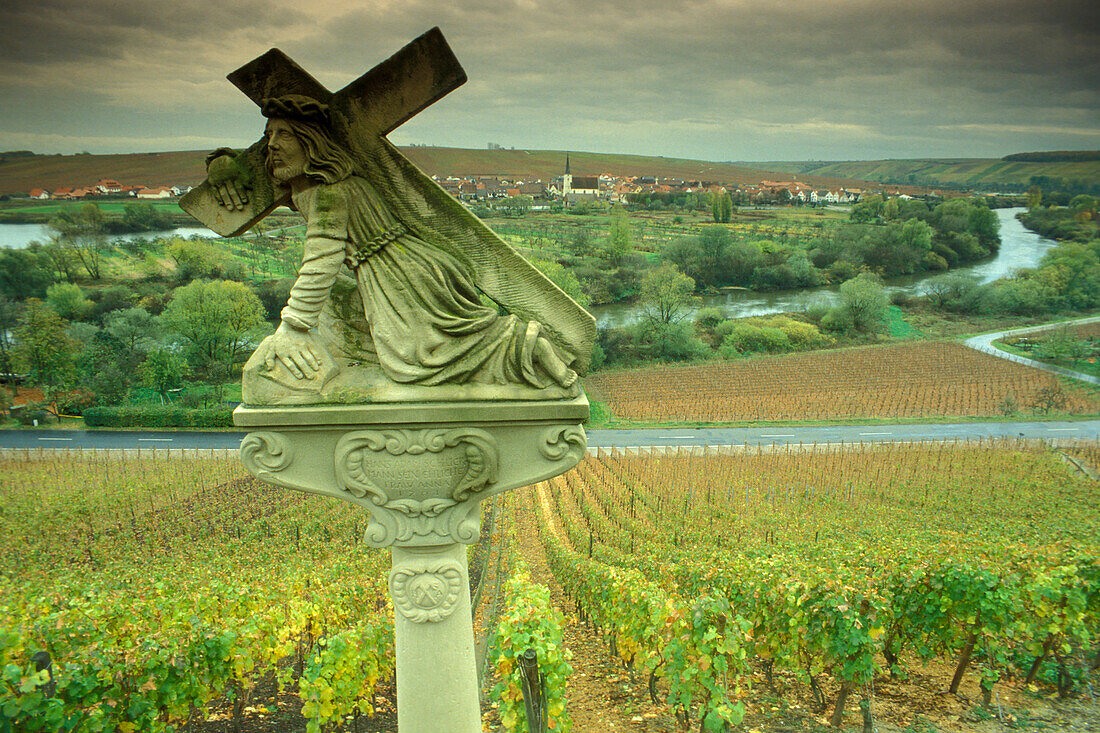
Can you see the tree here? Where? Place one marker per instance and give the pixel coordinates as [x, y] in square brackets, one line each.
[618, 242]
[104, 369]
[686, 254]
[863, 302]
[42, 347]
[579, 243]
[68, 300]
[515, 205]
[1084, 207]
[216, 318]
[867, 210]
[24, 273]
[82, 234]
[143, 217]
[9, 318]
[666, 294]
[564, 279]
[196, 258]
[1034, 198]
[136, 331]
[1063, 345]
[890, 209]
[162, 372]
[714, 244]
[952, 291]
[1072, 270]
[721, 207]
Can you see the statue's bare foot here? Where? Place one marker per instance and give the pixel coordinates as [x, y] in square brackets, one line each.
[553, 364]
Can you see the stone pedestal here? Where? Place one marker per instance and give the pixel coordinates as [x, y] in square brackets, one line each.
[434, 640]
[421, 469]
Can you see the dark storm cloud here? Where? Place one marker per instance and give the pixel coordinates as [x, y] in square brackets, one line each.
[720, 80]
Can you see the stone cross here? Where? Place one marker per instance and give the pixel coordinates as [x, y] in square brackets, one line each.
[379, 101]
[362, 113]
[421, 465]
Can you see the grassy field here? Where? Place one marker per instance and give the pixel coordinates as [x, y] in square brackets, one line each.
[963, 172]
[779, 588]
[1030, 346]
[914, 380]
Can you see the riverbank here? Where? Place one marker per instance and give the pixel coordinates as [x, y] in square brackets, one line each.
[1020, 249]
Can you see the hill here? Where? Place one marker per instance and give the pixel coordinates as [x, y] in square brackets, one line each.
[1010, 172]
[20, 172]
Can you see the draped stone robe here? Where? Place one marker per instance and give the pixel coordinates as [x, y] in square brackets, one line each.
[427, 322]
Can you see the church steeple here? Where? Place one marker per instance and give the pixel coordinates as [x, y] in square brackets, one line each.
[567, 162]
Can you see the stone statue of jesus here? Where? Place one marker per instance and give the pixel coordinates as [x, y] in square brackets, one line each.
[427, 323]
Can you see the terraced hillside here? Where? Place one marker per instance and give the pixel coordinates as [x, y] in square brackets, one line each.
[19, 174]
[963, 172]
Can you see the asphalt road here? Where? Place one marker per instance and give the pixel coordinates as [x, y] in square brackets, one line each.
[772, 435]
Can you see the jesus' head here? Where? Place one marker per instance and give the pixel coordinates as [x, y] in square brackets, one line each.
[300, 144]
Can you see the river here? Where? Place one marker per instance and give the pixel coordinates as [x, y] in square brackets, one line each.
[1020, 248]
[18, 236]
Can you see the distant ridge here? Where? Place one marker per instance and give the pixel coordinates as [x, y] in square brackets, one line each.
[21, 171]
[1012, 171]
[1055, 156]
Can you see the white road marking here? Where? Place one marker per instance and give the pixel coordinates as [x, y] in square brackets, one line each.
[777, 435]
[1055, 430]
[156, 440]
[676, 436]
[875, 433]
[55, 438]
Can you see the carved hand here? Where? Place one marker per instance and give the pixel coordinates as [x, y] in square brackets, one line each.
[291, 347]
[230, 182]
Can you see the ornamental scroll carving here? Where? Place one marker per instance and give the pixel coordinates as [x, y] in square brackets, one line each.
[265, 453]
[435, 471]
[559, 443]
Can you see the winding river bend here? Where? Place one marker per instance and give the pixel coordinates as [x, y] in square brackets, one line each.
[1020, 248]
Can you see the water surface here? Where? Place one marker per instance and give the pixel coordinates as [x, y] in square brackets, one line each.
[1021, 248]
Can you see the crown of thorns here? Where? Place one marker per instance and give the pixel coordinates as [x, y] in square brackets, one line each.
[296, 107]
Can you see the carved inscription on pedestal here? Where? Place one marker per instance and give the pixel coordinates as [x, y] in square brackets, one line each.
[435, 471]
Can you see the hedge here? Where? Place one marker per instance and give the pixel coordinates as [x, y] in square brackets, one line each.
[158, 416]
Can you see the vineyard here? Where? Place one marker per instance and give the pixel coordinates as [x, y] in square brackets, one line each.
[831, 576]
[910, 380]
[549, 235]
[143, 593]
[157, 593]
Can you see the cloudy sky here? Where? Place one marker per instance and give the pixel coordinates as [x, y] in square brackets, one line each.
[709, 79]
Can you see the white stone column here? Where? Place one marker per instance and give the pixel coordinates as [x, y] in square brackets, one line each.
[436, 671]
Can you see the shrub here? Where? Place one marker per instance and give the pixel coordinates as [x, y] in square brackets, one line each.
[158, 416]
[708, 319]
[1015, 296]
[838, 320]
[748, 339]
[32, 415]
